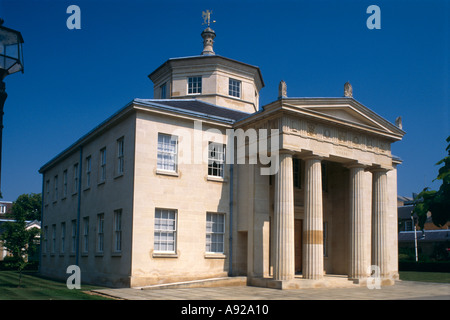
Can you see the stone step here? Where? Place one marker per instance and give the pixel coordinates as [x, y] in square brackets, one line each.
[212, 282]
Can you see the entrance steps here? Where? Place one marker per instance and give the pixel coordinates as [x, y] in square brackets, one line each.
[204, 283]
[328, 281]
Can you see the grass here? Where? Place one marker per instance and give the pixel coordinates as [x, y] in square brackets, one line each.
[34, 287]
[439, 277]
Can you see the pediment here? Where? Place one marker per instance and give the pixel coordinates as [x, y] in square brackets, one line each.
[343, 111]
[347, 114]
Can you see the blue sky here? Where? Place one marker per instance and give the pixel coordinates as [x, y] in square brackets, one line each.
[74, 79]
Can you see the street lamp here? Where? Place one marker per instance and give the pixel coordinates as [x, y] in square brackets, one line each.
[11, 61]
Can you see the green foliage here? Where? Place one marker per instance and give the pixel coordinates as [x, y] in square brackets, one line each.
[17, 240]
[436, 202]
[30, 205]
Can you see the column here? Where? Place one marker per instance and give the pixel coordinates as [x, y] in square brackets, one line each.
[313, 226]
[360, 221]
[283, 266]
[379, 215]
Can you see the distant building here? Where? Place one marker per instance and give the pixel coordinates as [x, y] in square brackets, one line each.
[153, 194]
[5, 208]
[29, 225]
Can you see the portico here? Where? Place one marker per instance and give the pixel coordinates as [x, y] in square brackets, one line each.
[340, 220]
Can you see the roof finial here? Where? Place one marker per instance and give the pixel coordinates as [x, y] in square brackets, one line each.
[282, 90]
[348, 90]
[208, 34]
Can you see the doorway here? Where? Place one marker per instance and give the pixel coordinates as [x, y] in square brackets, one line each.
[298, 232]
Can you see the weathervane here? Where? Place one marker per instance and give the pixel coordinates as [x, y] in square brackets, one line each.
[207, 17]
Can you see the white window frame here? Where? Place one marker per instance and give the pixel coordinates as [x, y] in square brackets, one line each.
[75, 177]
[63, 238]
[117, 231]
[88, 171]
[55, 183]
[53, 245]
[167, 153]
[65, 183]
[165, 230]
[73, 240]
[216, 159]
[120, 155]
[234, 87]
[85, 243]
[194, 85]
[215, 232]
[102, 175]
[100, 232]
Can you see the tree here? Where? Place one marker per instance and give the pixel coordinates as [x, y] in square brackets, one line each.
[31, 204]
[436, 202]
[17, 240]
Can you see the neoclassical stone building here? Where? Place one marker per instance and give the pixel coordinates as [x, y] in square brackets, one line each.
[152, 195]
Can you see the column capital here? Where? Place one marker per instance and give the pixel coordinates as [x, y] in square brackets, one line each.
[356, 164]
[380, 169]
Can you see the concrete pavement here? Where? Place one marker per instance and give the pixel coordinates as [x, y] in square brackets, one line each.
[402, 290]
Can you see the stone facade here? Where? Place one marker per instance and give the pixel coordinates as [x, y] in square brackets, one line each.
[114, 209]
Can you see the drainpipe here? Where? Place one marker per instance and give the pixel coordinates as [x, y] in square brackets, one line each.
[77, 247]
[230, 237]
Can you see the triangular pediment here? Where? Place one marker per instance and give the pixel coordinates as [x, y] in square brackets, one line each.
[347, 114]
[342, 111]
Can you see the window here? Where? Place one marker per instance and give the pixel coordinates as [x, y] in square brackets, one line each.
[85, 234]
[53, 238]
[216, 159]
[75, 178]
[120, 160]
[47, 189]
[102, 165]
[100, 232]
[88, 171]
[165, 230]
[408, 225]
[167, 152]
[194, 85]
[234, 88]
[296, 165]
[215, 232]
[73, 240]
[65, 183]
[163, 91]
[2, 209]
[117, 230]
[55, 182]
[45, 239]
[62, 246]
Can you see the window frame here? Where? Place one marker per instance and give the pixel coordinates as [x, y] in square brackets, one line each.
[234, 87]
[162, 147]
[194, 85]
[117, 231]
[158, 240]
[211, 234]
[216, 160]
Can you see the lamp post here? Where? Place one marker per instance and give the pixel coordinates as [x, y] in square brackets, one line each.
[11, 61]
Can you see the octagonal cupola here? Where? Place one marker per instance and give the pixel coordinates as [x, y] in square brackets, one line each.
[209, 77]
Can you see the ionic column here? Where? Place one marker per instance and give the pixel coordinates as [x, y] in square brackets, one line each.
[283, 267]
[379, 214]
[360, 220]
[313, 229]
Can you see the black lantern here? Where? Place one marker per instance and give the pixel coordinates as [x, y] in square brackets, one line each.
[11, 61]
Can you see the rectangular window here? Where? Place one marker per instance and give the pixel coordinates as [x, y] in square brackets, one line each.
[325, 239]
[234, 88]
[296, 165]
[194, 85]
[100, 232]
[216, 159]
[120, 160]
[47, 190]
[88, 171]
[2, 209]
[62, 246]
[73, 239]
[165, 230]
[85, 234]
[75, 178]
[167, 152]
[45, 239]
[65, 183]
[102, 170]
[163, 91]
[53, 238]
[117, 230]
[215, 232]
[55, 183]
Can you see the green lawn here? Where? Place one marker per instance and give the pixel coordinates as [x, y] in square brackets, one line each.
[36, 288]
[440, 277]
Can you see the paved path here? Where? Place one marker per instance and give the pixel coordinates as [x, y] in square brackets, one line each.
[402, 290]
